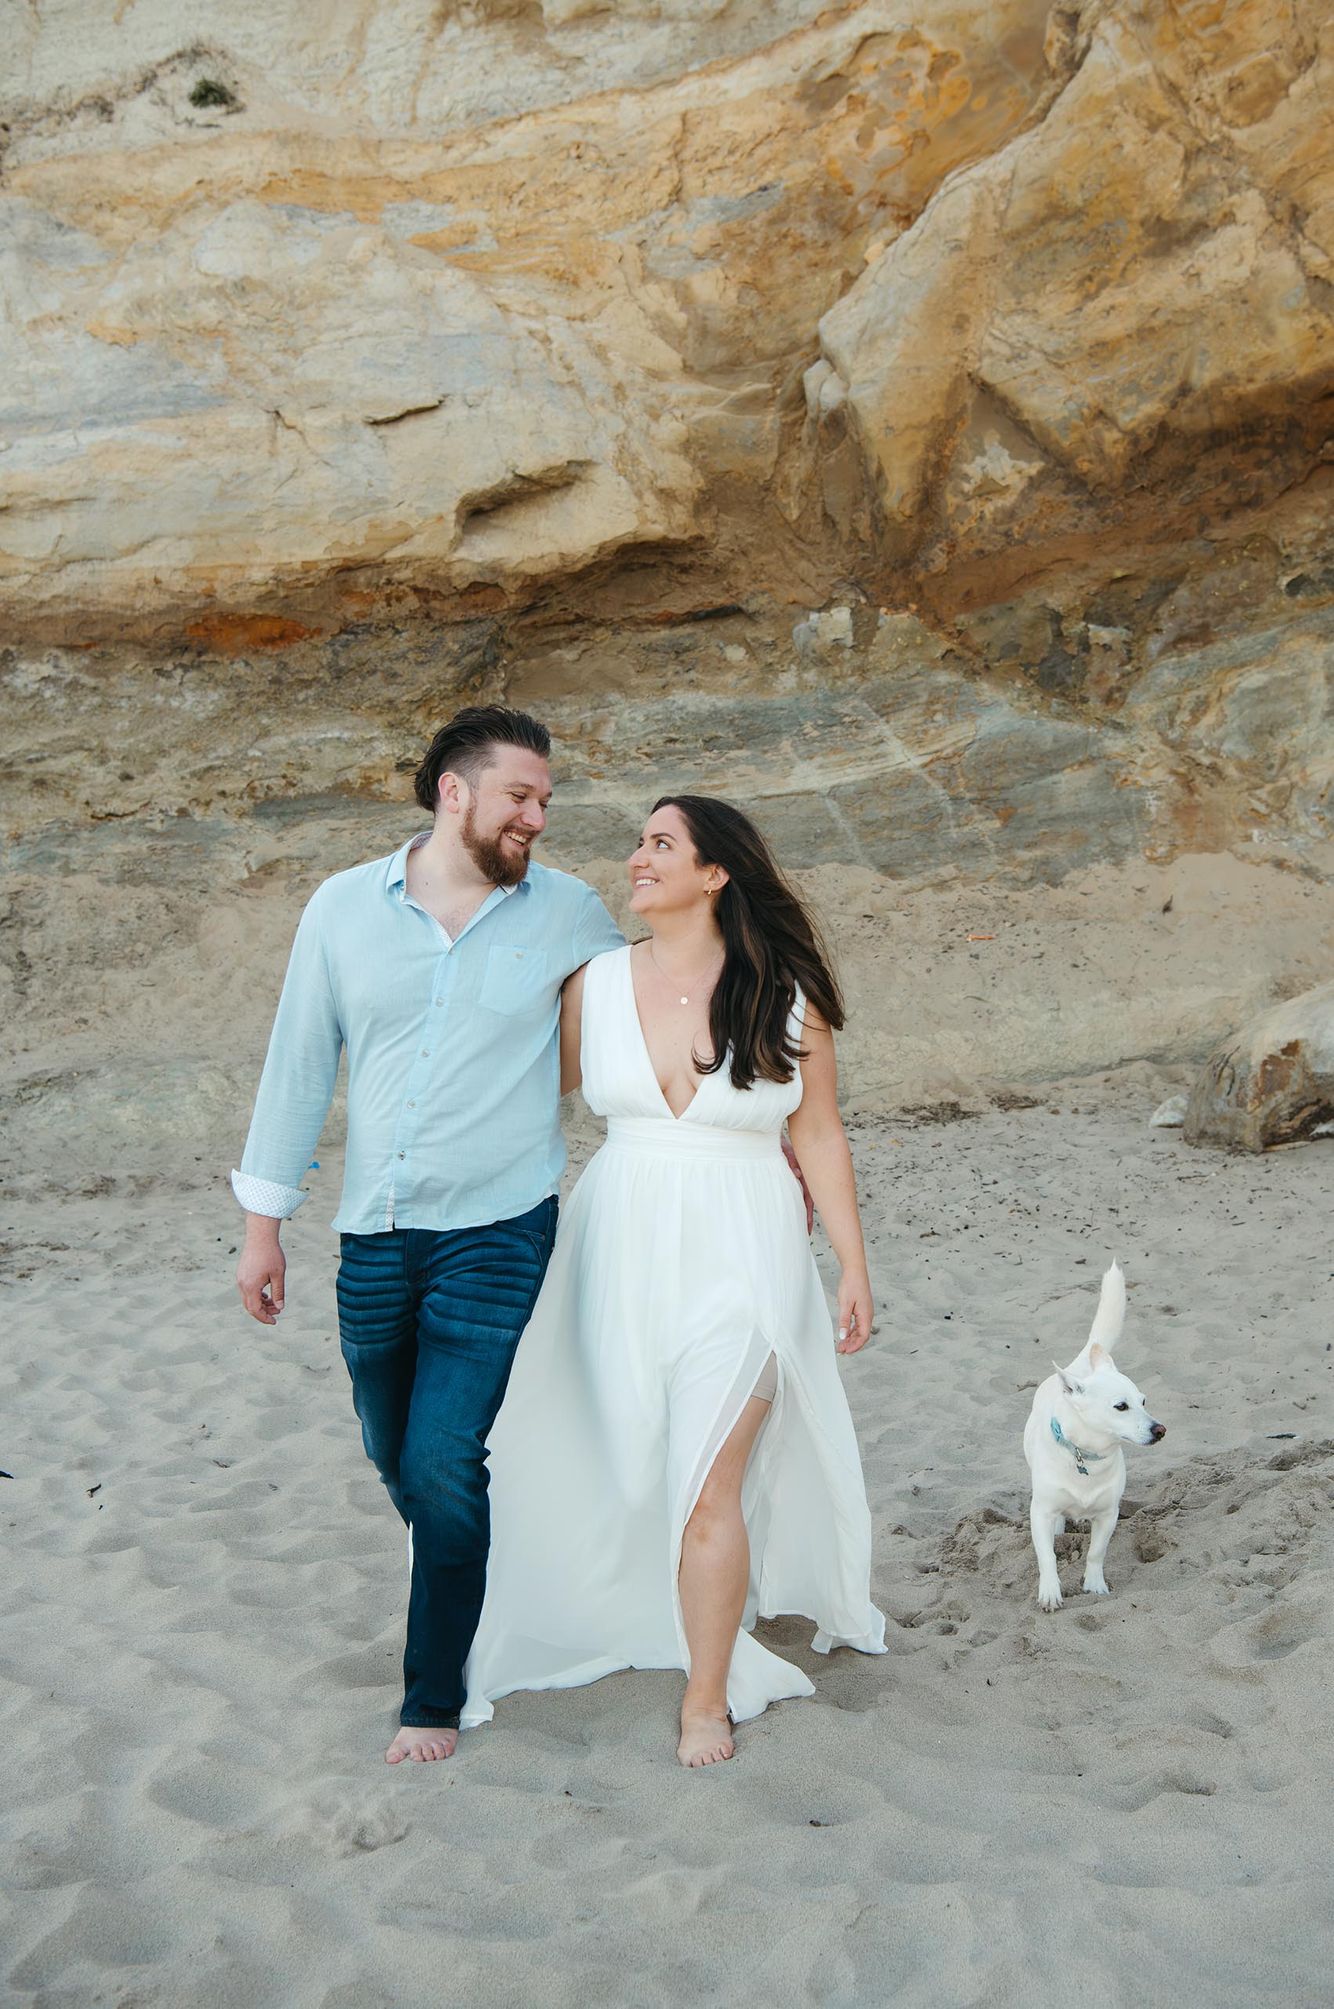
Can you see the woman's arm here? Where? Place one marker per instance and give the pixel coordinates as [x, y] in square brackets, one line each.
[821, 1145]
[571, 1026]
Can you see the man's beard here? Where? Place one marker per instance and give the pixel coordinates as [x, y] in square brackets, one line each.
[502, 868]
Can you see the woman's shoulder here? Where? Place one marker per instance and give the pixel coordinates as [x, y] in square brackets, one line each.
[809, 1013]
[599, 969]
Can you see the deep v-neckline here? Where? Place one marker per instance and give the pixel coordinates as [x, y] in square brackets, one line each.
[672, 1116]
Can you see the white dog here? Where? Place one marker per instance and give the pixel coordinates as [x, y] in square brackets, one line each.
[1081, 1417]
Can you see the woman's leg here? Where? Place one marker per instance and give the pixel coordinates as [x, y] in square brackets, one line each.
[715, 1573]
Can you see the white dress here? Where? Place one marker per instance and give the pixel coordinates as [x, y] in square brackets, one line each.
[681, 1263]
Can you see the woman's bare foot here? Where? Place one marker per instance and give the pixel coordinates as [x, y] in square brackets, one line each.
[706, 1738]
[416, 1742]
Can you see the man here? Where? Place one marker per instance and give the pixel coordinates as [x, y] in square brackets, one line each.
[440, 971]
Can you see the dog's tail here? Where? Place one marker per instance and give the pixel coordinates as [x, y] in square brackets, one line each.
[1111, 1313]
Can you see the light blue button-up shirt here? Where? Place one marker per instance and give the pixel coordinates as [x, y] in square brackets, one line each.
[453, 1060]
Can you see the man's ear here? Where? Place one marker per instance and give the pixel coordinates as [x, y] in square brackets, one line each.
[451, 793]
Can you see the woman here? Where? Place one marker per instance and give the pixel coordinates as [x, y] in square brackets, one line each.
[675, 1455]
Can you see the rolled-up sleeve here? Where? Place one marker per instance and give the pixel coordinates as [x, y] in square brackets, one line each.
[297, 1084]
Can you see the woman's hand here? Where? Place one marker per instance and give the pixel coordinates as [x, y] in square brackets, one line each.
[856, 1313]
[820, 1143]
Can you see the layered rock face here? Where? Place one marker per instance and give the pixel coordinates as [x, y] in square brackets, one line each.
[326, 342]
[300, 323]
[919, 430]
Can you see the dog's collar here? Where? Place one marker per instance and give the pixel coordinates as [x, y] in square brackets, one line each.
[1076, 1453]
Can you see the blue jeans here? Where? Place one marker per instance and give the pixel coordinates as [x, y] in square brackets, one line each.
[429, 1323]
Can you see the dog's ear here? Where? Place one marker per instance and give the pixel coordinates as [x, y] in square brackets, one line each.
[1099, 1357]
[1070, 1387]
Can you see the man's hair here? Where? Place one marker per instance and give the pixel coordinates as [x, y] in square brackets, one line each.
[467, 745]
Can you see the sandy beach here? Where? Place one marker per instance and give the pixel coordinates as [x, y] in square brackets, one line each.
[912, 426]
[1125, 1802]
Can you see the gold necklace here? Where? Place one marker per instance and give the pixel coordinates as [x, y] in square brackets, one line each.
[685, 995]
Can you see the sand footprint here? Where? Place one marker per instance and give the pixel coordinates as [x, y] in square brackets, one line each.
[1284, 1630]
[350, 1827]
[103, 1929]
[214, 1794]
[1129, 1796]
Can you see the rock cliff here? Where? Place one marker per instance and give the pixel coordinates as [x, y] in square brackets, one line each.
[919, 429]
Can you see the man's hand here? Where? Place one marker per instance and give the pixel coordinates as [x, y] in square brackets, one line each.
[262, 1269]
[800, 1178]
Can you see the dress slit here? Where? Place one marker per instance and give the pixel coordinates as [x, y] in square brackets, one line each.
[760, 1360]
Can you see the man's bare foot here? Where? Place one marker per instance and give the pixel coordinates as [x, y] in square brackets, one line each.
[706, 1739]
[423, 1745]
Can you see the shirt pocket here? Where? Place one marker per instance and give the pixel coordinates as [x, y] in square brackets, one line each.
[516, 980]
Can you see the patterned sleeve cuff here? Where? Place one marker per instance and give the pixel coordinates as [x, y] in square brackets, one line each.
[266, 1196]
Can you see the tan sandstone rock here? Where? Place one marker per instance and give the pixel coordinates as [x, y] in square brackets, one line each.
[1117, 320]
[331, 344]
[667, 305]
[1273, 1082]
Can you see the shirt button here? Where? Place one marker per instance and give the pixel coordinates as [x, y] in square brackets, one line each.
[426, 1053]
[411, 1105]
[402, 1154]
[439, 1001]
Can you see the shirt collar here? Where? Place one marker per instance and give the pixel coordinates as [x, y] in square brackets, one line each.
[396, 873]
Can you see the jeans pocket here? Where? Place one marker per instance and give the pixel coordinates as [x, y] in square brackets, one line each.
[538, 1228]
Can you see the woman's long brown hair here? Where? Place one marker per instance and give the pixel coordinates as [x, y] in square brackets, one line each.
[771, 946]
